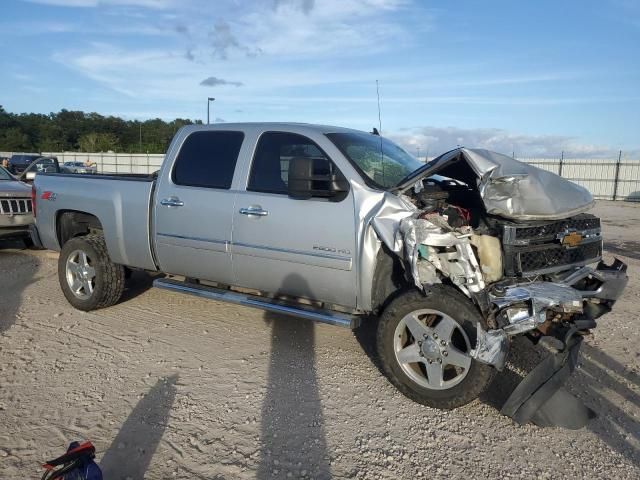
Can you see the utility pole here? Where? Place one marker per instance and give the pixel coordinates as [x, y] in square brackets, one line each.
[140, 137]
[209, 100]
[617, 177]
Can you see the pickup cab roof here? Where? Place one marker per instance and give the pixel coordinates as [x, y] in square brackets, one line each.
[292, 127]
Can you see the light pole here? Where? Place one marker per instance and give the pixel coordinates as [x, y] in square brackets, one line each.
[209, 100]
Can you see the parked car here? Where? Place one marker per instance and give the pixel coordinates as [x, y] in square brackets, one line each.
[455, 257]
[19, 162]
[43, 165]
[47, 165]
[79, 167]
[16, 215]
[40, 165]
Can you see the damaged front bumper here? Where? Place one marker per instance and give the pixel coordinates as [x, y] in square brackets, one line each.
[560, 313]
[582, 294]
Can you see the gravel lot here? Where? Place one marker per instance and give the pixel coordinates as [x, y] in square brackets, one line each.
[171, 386]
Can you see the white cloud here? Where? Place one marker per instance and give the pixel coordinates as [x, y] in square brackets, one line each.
[433, 141]
[160, 4]
[43, 28]
[330, 26]
[286, 28]
[261, 47]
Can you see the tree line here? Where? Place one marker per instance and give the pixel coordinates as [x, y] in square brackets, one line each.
[69, 130]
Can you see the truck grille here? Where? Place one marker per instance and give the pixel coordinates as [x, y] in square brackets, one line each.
[15, 206]
[552, 256]
[531, 249]
[523, 235]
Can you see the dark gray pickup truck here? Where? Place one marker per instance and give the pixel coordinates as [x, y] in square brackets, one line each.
[454, 257]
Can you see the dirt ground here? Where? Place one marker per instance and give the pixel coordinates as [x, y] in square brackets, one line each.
[171, 386]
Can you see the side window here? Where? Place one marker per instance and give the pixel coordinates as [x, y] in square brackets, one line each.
[208, 159]
[270, 167]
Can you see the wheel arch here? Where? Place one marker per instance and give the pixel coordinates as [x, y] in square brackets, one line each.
[389, 279]
[75, 223]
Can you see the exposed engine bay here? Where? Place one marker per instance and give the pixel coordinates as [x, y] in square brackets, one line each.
[528, 277]
[525, 263]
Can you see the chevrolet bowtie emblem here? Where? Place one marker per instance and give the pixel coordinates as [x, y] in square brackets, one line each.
[572, 239]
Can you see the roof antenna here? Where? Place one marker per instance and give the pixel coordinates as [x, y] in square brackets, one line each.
[378, 132]
[379, 116]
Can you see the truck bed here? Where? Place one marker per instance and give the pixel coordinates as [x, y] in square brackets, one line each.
[120, 201]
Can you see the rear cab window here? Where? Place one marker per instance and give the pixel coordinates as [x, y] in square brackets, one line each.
[208, 159]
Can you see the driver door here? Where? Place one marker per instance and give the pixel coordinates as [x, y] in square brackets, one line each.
[302, 248]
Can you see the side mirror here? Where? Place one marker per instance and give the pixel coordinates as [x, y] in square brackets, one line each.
[315, 177]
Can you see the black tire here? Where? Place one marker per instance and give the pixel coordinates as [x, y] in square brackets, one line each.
[109, 280]
[454, 304]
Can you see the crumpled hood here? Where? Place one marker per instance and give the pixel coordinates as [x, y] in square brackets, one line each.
[510, 188]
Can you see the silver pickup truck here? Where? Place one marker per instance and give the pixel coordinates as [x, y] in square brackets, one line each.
[449, 260]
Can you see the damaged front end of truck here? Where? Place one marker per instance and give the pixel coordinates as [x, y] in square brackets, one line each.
[517, 242]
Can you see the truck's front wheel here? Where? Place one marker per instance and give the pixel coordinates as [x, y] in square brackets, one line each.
[87, 276]
[424, 340]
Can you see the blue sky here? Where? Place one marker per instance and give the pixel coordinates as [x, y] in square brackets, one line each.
[533, 77]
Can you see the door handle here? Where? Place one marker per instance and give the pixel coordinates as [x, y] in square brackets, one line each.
[172, 202]
[254, 210]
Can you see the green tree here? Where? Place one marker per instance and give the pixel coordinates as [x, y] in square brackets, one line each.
[69, 130]
[15, 140]
[97, 142]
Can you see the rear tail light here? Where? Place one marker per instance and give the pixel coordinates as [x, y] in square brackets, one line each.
[33, 200]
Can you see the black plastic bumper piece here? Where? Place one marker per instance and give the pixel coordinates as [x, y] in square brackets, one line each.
[614, 279]
[540, 397]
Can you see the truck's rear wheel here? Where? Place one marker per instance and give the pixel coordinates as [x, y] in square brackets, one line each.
[424, 340]
[87, 276]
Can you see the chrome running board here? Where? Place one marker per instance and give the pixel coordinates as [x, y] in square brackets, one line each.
[263, 303]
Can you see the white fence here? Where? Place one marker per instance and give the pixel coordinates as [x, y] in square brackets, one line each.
[606, 179]
[111, 162]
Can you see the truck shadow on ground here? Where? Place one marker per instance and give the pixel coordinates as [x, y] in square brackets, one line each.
[597, 378]
[137, 283]
[626, 248]
[133, 447]
[18, 273]
[292, 435]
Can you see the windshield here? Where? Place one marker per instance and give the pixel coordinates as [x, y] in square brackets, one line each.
[381, 160]
[4, 175]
